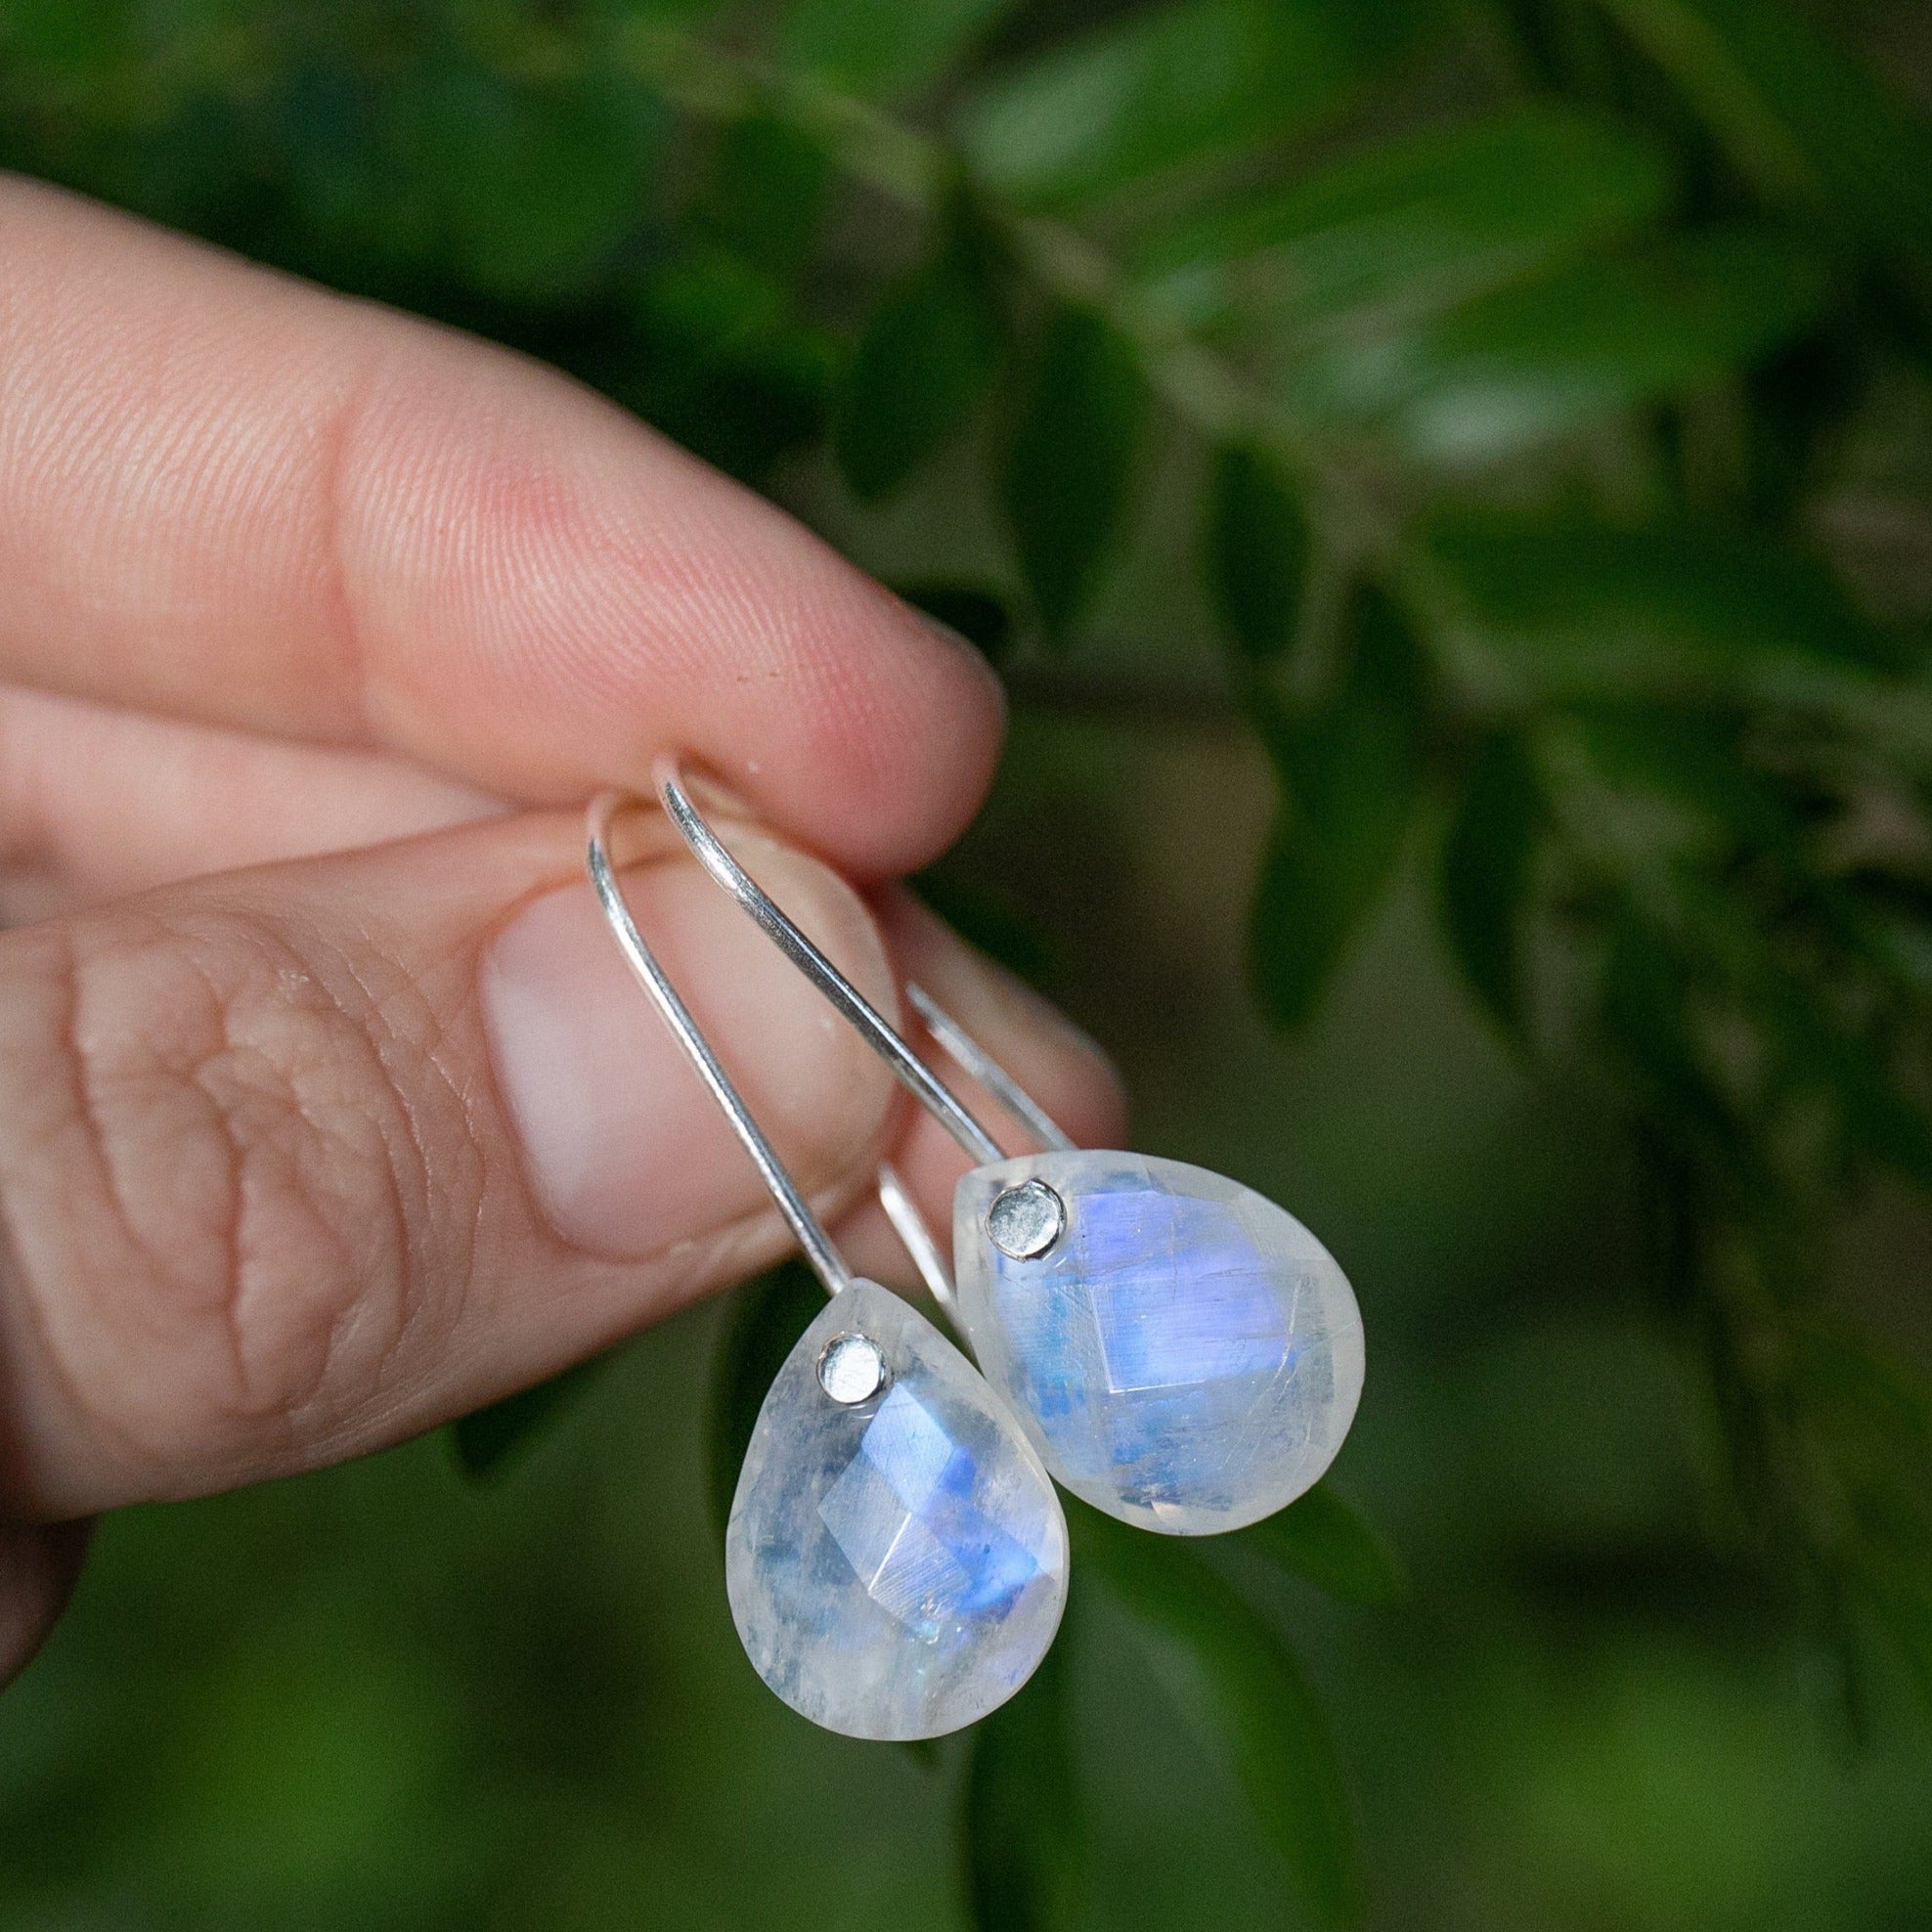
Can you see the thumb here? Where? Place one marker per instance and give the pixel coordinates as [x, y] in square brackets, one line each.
[297, 1162]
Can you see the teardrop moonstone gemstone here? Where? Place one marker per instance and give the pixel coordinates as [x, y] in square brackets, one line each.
[1186, 1355]
[896, 1566]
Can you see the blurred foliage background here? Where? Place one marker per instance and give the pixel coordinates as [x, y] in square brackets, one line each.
[1450, 484]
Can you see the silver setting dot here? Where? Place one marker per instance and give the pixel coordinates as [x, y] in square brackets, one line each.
[1025, 1221]
[851, 1369]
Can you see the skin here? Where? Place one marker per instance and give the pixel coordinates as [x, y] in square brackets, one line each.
[326, 1111]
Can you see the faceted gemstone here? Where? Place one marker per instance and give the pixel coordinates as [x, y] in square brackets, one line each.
[896, 1564]
[1186, 1355]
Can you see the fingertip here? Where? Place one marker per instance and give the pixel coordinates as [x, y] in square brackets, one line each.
[894, 731]
[550, 594]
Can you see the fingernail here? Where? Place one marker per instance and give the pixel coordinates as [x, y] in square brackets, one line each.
[625, 1150]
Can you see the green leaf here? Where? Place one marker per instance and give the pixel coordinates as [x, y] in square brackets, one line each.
[1325, 1541]
[1025, 1835]
[1413, 224]
[61, 35]
[718, 361]
[706, 303]
[882, 48]
[1906, 1618]
[1809, 1049]
[766, 1317]
[1859, 1392]
[1880, 1115]
[925, 362]
[1255, 552]
[1644, 998]
[1174, 84]
[1488, 861]
[1694, 759]
[487, 1442]
[1799, 115]
[1350, 769]
[1545, 359]
[1243, 1693]
[1069, 467]
[1573, 608]
[532, 189]
[765, 197]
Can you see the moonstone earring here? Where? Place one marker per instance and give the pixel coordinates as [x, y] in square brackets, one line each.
[1184, 1354]
[896, 1558]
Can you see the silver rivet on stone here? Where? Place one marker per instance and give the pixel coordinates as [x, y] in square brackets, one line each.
[1025, 1221]
[851, 1369]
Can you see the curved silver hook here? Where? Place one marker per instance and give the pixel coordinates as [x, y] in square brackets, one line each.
[826, 1260]
[872, 1026]
[915, 1237]
[967, 1054]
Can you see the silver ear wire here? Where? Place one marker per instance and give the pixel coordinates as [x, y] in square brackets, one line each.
[902, 1212]
[971, 1058]
[826, 1260]
[871, 1025]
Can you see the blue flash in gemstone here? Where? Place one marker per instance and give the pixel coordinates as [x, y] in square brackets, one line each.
[896, 1566]
[904, 1514]
[1186, 1356]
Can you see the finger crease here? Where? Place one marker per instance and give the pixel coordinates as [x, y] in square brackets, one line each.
[337, 444]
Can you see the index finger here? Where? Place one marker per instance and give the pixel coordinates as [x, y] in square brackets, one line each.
[230, 496]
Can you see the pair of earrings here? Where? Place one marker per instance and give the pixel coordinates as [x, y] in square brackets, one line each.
[1177, 1351]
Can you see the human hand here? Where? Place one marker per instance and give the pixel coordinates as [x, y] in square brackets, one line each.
[328, 1109]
